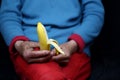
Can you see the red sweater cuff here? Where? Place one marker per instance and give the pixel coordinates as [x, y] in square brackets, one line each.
[12, 47]
[79, 41]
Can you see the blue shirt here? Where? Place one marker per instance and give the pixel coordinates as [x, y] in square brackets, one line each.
[61, 18]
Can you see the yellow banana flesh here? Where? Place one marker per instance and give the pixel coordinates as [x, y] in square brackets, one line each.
[44, 41]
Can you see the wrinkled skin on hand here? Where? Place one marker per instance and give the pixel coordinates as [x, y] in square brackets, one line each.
[68, 48]
[26, 50]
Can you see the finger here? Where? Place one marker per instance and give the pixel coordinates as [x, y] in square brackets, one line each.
[34, 44]
[39, 60]
[31, 46]
[37, 54]
[53, 52]
[60, 57]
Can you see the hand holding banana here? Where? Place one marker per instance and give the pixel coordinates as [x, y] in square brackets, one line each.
[44, 41]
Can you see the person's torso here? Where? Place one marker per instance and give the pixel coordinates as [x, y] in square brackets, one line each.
[58, 16]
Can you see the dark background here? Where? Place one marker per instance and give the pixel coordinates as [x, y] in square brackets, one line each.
[105, 50]
[7, 71]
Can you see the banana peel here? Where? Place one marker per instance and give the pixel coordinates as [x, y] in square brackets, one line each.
[44, 42]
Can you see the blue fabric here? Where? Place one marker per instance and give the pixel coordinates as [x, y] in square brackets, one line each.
[61, 18]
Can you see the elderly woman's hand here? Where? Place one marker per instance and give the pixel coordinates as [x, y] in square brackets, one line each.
[26, 50]
[68, 48]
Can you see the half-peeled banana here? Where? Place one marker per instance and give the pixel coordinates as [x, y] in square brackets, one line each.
[44, 41]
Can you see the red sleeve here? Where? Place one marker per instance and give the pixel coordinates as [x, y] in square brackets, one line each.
[11, 47]
[79, 41]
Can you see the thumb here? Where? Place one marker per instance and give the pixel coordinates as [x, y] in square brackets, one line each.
[53, 52]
